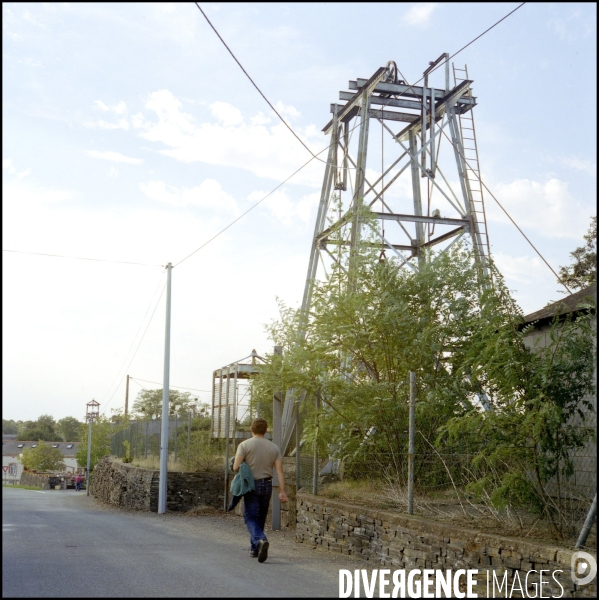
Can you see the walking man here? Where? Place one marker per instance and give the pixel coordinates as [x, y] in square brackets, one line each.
[78, 481]
[262, 456]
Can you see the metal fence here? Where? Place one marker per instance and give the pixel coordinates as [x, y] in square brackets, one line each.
[446, 481]
[190, 448]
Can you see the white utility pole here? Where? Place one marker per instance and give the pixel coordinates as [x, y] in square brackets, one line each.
[165, 400]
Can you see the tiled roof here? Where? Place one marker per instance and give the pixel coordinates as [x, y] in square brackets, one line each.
[566, 305]
[11, 447]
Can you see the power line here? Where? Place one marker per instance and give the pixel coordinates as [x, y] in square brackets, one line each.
[138, 345]
[559, 280]
[481, 35]
[121, 262]
[170, 385]
[250, 208]
[254, 83]
[313, 155]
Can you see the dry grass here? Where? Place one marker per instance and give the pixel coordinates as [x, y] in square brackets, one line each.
[207, 464]
[446, 506]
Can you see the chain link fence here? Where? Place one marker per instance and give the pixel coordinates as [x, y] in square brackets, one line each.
[452, 481]
[190, 447]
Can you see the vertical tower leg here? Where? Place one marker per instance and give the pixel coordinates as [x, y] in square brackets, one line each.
[417, 197]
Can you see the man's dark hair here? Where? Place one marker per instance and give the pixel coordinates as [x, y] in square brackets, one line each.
[259, 426]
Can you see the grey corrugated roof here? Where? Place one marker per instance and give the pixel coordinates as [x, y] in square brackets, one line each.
[10, 447]
[567, 305]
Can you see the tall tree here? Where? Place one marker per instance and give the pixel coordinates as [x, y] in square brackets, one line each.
[583, 271]
[45, 428]
[70, 429]
[148, 403]
[9, 426]
[463, 336]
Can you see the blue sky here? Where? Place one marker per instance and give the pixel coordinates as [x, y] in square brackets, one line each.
[130, 134]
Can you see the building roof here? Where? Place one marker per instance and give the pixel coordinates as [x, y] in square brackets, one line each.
[567, 305]
[11, 447]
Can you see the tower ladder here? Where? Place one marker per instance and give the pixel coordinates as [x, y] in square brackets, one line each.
[472, 170]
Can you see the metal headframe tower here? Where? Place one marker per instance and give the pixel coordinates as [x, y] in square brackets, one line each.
[421, 198]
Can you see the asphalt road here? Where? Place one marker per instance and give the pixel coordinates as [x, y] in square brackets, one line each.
[65, 544]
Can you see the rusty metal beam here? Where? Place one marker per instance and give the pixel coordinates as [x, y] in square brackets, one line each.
[422, 219]
[384, 101]
[388, 115]
[444, 237]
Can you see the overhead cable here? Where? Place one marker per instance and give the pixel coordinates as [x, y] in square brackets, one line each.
[254, 83]
[313, 155]
[138, 345]
[559, 280]
[250, 208]
[122, 262]
[170, 385]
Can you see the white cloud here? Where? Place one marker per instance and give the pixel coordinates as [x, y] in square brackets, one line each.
[114, 156]
[112, 173]
[137, 120]
[524, 269]
[260, 119]
[209, 194]
[29, 62]
[581, 164]
[99, 104]
[419, 14]
[285, 208]
[576, 25]
[119, 108]
[547, 207]
[29, 197]
[287, 110]
[270, 152]
[24, 173]
[226, 114]
[101, 124]
[8, 166]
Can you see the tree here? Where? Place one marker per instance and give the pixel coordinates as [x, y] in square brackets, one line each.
[148, 403]
[9, 426]
[42, 429]
[361, 344]
[101, 436]
[584, 270]
[462, 334]
[43, 458]
[70, 428]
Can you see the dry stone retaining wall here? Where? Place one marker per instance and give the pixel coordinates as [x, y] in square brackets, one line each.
[400, 541]
[42, 479]
[131, 487]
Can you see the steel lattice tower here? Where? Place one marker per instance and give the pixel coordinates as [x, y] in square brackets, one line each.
[417, 176]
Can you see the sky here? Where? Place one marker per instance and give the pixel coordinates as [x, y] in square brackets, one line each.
[131, 136]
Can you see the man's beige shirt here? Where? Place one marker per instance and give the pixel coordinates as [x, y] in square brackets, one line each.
[260, 454]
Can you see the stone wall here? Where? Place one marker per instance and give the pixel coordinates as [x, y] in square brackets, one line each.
[124, 485]
[400, 541]
[43, 480]
[131, 487]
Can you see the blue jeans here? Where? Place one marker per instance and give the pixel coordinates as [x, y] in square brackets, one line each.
[255, 509]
